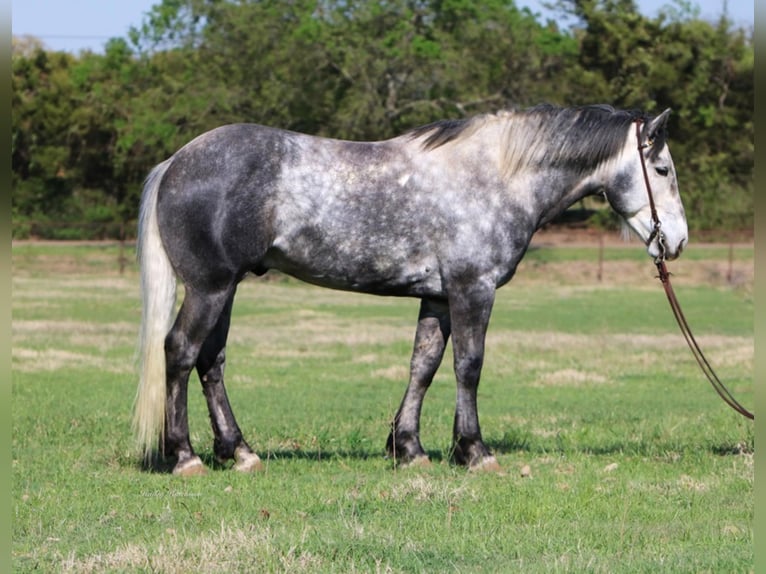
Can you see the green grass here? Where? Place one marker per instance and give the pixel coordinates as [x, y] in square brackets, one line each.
[634, 463]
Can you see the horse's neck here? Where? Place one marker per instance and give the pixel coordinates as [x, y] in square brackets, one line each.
[553, 191]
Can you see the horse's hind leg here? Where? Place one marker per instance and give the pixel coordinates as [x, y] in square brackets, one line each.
[196, 319]
[228, 442]
[430, 341]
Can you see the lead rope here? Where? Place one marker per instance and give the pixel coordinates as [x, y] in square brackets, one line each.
[664, 277]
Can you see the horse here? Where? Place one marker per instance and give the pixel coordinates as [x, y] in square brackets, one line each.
[443, 213]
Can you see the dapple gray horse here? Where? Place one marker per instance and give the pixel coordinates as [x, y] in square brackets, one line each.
[443, 213]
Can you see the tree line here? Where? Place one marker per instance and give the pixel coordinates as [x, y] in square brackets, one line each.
[87, 128]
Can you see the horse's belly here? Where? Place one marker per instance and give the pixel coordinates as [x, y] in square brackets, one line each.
[381, 272]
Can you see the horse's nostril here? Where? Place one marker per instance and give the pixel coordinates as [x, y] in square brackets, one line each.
[681, 245]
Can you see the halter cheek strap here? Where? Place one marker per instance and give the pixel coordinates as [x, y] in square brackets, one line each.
[656, 223]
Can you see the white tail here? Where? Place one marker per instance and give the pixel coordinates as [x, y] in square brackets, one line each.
[158, 296]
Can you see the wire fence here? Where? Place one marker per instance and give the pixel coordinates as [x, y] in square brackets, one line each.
[75, 230]
[124, 233]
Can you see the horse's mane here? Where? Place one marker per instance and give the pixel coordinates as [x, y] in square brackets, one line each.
[578, 137]
[438, 133]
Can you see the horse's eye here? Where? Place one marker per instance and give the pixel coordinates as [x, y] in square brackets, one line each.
[663, 171]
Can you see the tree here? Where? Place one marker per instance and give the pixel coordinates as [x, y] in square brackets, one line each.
[704, 72]
[87, 129]
[43, 101]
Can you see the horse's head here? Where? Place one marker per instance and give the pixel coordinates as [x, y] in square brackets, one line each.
[633, 201]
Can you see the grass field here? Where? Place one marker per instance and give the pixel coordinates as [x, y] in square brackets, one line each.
[617, 455]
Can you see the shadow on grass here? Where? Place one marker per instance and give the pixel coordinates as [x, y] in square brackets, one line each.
[509, 443]
[520, 442]
[157, 464]
[732, 449]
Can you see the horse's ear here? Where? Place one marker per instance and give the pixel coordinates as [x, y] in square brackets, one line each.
[654, 128]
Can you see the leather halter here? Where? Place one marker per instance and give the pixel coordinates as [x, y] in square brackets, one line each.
[664, 277]
[656, 223]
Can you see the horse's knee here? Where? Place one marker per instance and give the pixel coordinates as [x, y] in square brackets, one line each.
[468, 368]
[426, 358]
[425, 363]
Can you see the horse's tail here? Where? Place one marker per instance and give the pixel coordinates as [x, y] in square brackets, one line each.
[158, 296]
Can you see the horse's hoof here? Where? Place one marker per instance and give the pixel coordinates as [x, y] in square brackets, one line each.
[247, 461]
[191, 467]
[421, 461]
[486, 464]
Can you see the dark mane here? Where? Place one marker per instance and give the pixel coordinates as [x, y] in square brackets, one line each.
[578, 137]
[440, 132]
[581, 137]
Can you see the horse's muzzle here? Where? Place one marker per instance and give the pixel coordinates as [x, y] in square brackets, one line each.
[658, 247]
[671, 254]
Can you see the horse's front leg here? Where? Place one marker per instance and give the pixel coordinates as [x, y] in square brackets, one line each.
[470, 308]
[430, 340]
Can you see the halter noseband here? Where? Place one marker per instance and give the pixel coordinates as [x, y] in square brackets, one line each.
[656, 223]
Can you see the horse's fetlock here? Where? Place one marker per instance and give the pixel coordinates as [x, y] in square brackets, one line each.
[404, 446]
[469, 451]
[225, 449]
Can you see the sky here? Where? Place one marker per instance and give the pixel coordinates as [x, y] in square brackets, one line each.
[75, 25]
